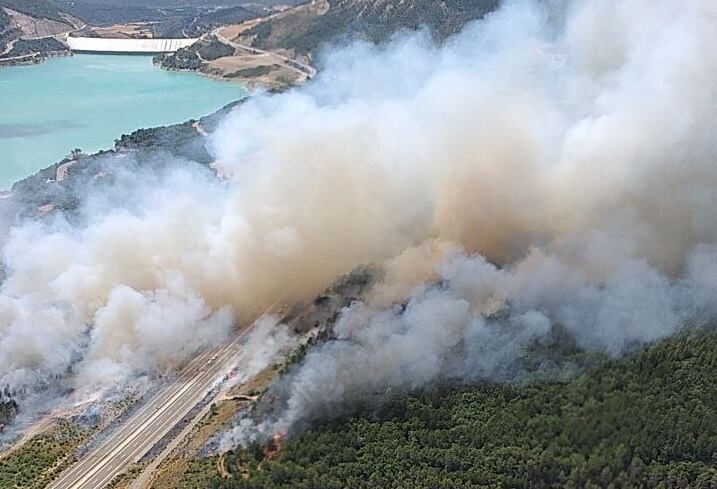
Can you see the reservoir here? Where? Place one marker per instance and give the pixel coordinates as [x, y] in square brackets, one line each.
[88, 101]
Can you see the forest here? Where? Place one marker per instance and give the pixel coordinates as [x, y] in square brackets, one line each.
[646, 421]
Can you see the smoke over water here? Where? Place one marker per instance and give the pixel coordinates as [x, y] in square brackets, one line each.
[555, 163]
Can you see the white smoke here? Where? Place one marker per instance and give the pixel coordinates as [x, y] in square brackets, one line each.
[264, 345]
[554, 162]
[475, 321]
[572, 164]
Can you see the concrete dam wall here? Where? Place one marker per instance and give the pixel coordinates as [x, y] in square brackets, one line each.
[126, 46]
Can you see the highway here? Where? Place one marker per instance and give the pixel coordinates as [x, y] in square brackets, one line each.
[136, 436]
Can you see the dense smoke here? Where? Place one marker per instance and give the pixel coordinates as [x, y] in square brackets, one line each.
[553, 162]
[562, 163]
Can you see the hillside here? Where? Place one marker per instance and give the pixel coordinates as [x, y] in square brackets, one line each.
[5, 27]
[649, 420]
[267, 45]
[39, 9]
[199, 21]
[42, 194]
[645, 421]
[111, 13]
[528, 334]
[168, 19]
[32, 30]
[306, 28]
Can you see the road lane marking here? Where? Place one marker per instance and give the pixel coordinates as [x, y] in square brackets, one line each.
[138, 424]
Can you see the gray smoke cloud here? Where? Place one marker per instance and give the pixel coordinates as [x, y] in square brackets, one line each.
[564, 162]
[553, 163]
[475, 321]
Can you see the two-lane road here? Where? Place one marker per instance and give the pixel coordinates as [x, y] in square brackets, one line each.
[305, 70]
[136, 436]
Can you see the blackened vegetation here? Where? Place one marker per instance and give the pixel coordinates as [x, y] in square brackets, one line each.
[318, 317]
[323, 311]
[646, 421]
[8, 408]
[194, 21]
[39, 9]
[4, 22]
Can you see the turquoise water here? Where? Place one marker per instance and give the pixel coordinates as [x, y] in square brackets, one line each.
[87, 101]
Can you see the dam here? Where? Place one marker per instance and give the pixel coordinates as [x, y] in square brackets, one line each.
[100, 45]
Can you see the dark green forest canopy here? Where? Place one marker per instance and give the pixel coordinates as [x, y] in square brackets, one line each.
[647, 421]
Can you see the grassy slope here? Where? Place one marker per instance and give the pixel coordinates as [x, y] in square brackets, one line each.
[648, 421]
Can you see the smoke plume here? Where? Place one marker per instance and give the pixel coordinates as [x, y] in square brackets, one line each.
[561, 163]
[553, 163]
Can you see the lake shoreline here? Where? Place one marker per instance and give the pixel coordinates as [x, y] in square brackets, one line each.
[88, 101]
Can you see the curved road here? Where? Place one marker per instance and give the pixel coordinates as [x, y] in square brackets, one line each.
[11, 44]
[306, 70]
